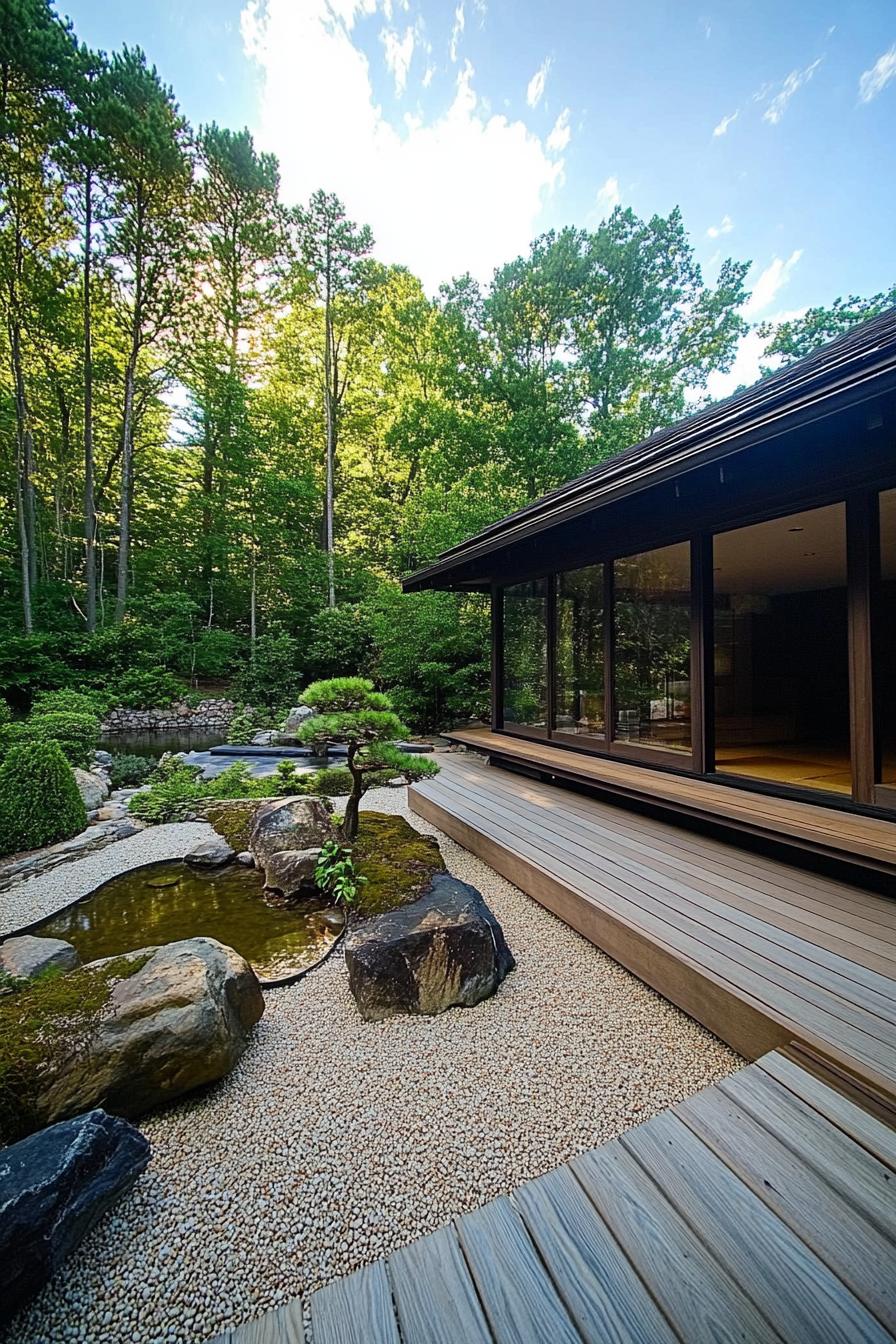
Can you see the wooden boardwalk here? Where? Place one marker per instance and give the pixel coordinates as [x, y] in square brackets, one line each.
[761, 952]
[869, 842]
[761, 1209]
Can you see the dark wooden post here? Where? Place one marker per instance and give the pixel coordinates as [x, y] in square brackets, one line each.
[862, 571]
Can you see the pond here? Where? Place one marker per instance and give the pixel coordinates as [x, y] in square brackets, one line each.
[155, 744]
[164, 902]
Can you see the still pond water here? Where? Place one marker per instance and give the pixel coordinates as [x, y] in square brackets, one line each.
[164, 902]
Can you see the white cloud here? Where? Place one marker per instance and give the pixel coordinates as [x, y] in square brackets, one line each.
[462, 190]
[608, 197]
[791, 85]
[457, 31]
[748, 361]
[535, 87]
[873, 81]
[427, 78]
[560, 134]
[770, 282]
[722, 128]
[399, 52]
[716, 230]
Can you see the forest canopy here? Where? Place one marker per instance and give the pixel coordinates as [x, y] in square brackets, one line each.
[229, 428]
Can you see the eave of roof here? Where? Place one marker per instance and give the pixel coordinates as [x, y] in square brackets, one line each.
[851, 368]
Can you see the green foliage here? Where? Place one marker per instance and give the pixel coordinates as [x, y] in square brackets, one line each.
[335, 873]
[339, 637]
[93, 703]
[271, 676]
[76, 734]
[128, 772]
[799, 336]
[343, 695]
[146, 688]
[247, 721]
[46, 1026]
[39, 799]
[176, 789]
[5, 713]
[216, 653]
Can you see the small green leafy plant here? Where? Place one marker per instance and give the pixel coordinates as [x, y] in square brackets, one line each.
[335, 873]
[127, 772]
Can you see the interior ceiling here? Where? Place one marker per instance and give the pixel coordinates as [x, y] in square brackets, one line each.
[799, 553]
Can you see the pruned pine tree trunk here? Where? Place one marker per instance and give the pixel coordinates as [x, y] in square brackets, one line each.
[352, 807]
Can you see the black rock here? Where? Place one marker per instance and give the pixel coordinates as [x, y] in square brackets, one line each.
[54, 1185]
[444, 949]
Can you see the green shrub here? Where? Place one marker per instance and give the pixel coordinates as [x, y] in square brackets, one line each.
[237, 782]
[77, 734]
[146, 688]
[127, 772]
[172, 796]
[39, 799]
[245, 723]
[216, 653]
[94, 703]
[5, 713]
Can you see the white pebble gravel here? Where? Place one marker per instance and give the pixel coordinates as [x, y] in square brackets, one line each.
[336, 1141]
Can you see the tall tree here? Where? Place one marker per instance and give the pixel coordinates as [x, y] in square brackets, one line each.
[333, 249]
[799, 336]
[241, 226]
[147, 238]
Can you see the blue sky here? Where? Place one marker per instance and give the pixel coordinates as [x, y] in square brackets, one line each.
[460, 130]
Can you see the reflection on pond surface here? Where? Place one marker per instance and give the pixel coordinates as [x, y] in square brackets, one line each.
[164, 902]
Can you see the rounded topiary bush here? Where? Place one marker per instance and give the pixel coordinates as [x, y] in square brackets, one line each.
[39, 799]
[78, 735]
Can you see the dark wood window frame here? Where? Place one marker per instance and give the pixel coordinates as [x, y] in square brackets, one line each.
[863, 577]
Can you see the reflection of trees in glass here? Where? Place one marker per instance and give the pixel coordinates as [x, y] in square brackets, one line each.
[580, 652]
[525, 653]
[652, 643]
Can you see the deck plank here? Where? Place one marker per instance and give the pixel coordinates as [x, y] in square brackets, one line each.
[795, 1289]
[434, 1294]
[701, 1299]
[518, 1297]
[749, 966]
[356, 1310]
[857, 1252]
[599, 1285]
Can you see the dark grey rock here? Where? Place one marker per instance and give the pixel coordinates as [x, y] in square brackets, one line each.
[27, 956]
[290, 823]
[291, 872]
[54, 1186]
[210, 853]
[443, 950]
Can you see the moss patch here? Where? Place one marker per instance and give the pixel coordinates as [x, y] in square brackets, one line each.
[231, 818]
[45, 1023]
[397, 861]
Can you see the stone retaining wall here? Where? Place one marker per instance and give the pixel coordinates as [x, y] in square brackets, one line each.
[207, 714]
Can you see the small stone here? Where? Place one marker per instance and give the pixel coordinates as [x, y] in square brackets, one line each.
[209, 853]
[27, 956]
[246, 858]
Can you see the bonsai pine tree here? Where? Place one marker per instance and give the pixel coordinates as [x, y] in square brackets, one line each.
[349, 711]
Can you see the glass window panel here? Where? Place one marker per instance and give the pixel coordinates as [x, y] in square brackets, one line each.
[652, 634]
[781, 654]
[580, 652]
[526, 654]
[885, 636]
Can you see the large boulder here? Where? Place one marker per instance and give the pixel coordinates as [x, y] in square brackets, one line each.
[182, 1020]
[295, 718]
[27, 956]
[210, 853]
[291, 873]
[54, 1186]
[290, 823]
[444, 949]
[93, 788]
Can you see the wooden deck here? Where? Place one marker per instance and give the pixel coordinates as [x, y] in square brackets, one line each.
[868, 842]
[761, 952]
[761, 1209]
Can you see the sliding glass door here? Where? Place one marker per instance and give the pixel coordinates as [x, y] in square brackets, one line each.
[579, 659]
[525, 682]
[652, 650]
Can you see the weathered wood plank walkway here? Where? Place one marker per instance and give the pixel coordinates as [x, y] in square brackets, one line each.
[761, 1209]
[761, 952]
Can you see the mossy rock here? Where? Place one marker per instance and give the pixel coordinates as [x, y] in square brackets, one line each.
[44, 1023]
[231, 818]
[397, 861]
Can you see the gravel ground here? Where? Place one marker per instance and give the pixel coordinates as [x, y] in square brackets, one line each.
[335, 1141]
